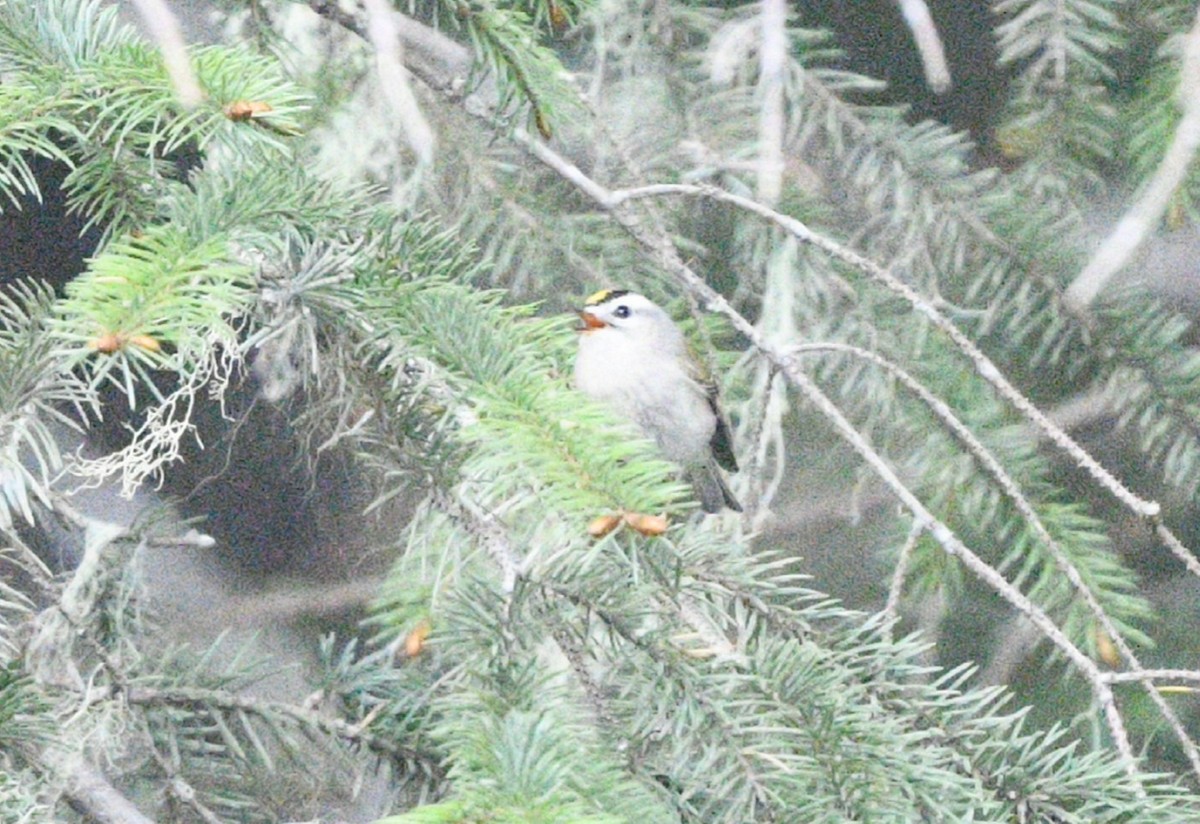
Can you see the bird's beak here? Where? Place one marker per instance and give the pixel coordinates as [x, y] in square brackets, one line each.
[590, 322]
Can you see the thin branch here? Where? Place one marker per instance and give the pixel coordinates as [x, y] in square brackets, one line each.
[772, 62]
[954, 547]
[1143, 216]
[193, 697]
[1151, 511]
[929, 43]
[393, 78]
[164, 28]
[993, 469]
[1176, 546]
[896, 590]
[664, 251]
[1152, 674]
[91, 791]
[983, 365]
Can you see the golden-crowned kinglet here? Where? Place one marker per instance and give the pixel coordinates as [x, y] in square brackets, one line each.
[634, 358]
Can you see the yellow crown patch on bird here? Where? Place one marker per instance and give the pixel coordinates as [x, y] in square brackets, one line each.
[603, 295]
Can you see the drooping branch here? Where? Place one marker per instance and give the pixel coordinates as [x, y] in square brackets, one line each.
[993, 469]
[986, 369]
[448, 65]
[659, 245]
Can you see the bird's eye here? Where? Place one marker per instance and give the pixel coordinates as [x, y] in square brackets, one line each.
[621, 311]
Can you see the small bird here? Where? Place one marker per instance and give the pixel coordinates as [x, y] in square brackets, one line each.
[634, 358]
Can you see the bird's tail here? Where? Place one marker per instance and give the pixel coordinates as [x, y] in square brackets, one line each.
[711, 489]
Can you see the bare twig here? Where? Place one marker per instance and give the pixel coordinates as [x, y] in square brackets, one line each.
[954, 547]
[993, 469]
[164, 28]
[983, 365]
[772, 61]
[92, 792]
[1177, 548]
[1155, 674]
[393, 77]
[896, 590]
[929, 43]
[1150, 511]
[1143, 216]
[663, 250]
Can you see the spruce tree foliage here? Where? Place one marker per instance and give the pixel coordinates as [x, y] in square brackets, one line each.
[514, 666]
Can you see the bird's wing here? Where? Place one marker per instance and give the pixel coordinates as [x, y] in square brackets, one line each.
[721, 442]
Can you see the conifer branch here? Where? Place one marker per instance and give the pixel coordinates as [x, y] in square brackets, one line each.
[490, 534]
[1152, 675]
[664, 252]
[198, 698]
[1143, 216]
[986, 369]
[665, 659]
[1148, 510]
[815, 710]
[992, 468]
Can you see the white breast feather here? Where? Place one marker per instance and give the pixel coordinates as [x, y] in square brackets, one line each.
[656, 394]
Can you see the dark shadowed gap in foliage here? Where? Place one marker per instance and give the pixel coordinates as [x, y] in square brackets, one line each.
[249, 485]
[273, 512]
[40, 239]
[876, 42]
[245, 475]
